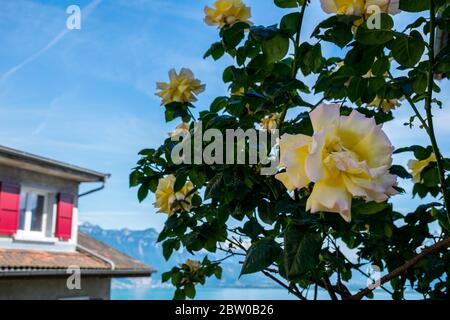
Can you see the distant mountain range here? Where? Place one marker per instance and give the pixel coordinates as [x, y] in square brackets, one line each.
[142, 246]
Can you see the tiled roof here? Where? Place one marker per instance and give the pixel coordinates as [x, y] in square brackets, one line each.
[23, 259]
[120, 260]
[92, 257]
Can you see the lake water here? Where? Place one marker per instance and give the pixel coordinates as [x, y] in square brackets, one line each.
[203, 294]
[229, 294]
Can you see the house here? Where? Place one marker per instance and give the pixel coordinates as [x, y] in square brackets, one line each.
[42, 254]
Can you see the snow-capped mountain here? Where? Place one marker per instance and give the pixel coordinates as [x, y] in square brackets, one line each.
[142, 246]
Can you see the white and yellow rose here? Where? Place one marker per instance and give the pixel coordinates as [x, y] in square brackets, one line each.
[347, 157]
[385, 104]
[168, 201]
[194, 266]
[182, 87]
[359, 7]
[270, 122]
[227, 12]
[417, 166]
[181, 130]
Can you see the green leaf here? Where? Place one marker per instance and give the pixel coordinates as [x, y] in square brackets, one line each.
[381, 66]
[311, 58]
[166, 276]
[261, 33]
[179, 295]
[414, 5]
[338, 29]
[260, 255]
[369, 35]
[143, 192]
[357, 88]
[218, 272]
[216, 51]
[401, 172]
[301, 251]
[189, 290]
[416, 23]
[276, 48]
[168, 247]
[197, 176]
[430, 175]
[423, 153]
[408, 50]
[135, 178]
[196, 200]
[420, 83]
[369, 208]
[290, 23]
[288, 3]
[153, 184]
[420, 152]
[266, 214]
[218, 104]
[147, 152]
[214, 186]
[233, 35]
[180, 181]
[252, 228]
[229, 74]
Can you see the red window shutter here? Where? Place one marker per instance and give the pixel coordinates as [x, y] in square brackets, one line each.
[64, 216]
[9, 208]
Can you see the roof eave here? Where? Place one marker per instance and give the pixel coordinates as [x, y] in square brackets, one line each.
[124, 273]
[44, 165]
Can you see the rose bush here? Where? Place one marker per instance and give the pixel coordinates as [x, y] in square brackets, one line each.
[334, 154]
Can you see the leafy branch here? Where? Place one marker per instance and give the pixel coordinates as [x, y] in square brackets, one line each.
[441, 245]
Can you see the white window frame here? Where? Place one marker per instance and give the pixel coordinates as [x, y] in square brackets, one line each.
[48, 213]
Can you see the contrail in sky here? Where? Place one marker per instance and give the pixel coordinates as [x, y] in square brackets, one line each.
[85, 13]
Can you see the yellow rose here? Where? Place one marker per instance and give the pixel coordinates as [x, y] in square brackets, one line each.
[193, 266]
[168, 201]
[416, 166]
[347, 7]
[386, 104]
[239, 92]
[181, 88]
[386, 6]
[270, 123]
[181, 130]
[227, 12]
[359, 7]
[347, 156]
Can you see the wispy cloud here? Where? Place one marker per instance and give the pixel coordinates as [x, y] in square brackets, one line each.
[85, 13]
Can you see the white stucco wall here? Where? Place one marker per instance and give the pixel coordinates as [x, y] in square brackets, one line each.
[94, 288]
[51, 185]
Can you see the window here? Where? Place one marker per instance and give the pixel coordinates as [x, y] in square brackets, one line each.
[34, 217]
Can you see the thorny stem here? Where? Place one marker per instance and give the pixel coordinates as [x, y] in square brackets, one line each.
[413, 106]
[267, 274]
[295, 66]
[315, 291]
[441, 245]
[428, 109]
[329, 287]
[353, 265]
[296, 293]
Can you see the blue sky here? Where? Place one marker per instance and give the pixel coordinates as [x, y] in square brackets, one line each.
[87, 96]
